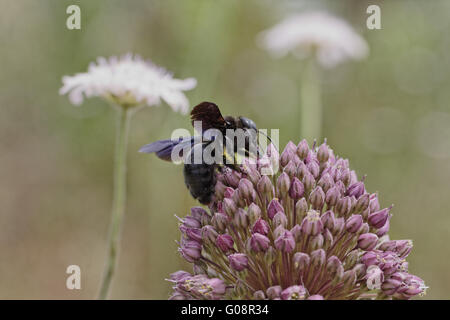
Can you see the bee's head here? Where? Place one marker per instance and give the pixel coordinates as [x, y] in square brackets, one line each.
[248, 123]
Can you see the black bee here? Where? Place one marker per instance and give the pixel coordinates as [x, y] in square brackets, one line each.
[200, 178]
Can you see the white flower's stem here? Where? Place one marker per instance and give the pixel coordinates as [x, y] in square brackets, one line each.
[119, 198]
[310, 104]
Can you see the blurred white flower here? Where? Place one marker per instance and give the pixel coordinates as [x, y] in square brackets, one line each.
[128, 80]
[331, 39]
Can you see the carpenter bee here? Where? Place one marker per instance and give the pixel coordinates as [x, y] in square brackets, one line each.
[200, 178]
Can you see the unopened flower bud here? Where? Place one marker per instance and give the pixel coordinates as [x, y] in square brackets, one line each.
[318, 258]
[328, 220]
[313, 167]
[367, 241]
[274, 207]
[356, 190]
[301, 261]
[343, 206]
[219, 221]
[280, 219]
[238, 261]
[290, 169]
[265, 187]
[384, 229]
[229, 206]
[286, 156]
[274, 292]
[354, 223]
[327, 239]
[279, 230]
[302, 149]
[224, 242]
[302, 171]
[390, 286]
[308, 181]
[360, 270]
[297, 232]
[362, 203]
[317, 198]
[261, 226]
[285, 242]
[254, 212]
[296, 189]
[228, 193]
[349, 278]
[259, 242]
[301, 208]
[241, 218]
[351, 259]
[374, 205]
[323, 153]
[209, 234]
[246, 189]
[283, 183]
[259, 295]
[317, 242]
[339, 225]
[312, 224]
[326, 182]
[191, 250]
[379, 218]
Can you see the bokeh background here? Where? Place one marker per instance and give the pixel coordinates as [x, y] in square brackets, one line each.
[389, 114]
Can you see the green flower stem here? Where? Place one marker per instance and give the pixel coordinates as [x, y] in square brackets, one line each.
[310, 104]
[119, 198]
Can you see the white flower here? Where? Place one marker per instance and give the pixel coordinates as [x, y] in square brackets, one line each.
[332, 39]
[128, 80]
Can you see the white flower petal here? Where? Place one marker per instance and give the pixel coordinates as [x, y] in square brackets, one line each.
[334, 39]
[128, 77]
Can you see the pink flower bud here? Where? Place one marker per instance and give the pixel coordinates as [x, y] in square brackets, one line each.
[274, 207]
[326, 182]
[224, 242]
[317, 198]
[323, 153]
[356, 190]
[280, 219]
[191, 250]
[274, 292]
[285, 242]
[312, 224]
[261, 226]
[301, 260]
[238, 261]
[303, 149]
[367, 241]
[259, 242]
[313, 167]
[296, 190]
[283, 183]
[354, 223]
[379, 218]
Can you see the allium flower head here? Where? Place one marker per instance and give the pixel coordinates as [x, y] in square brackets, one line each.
[261, 240]
[128, 80]
[330, 39]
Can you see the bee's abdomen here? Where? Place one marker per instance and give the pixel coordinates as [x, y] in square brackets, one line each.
[200, 180]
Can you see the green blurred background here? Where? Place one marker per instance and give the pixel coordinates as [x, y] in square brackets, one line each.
[389, 114]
